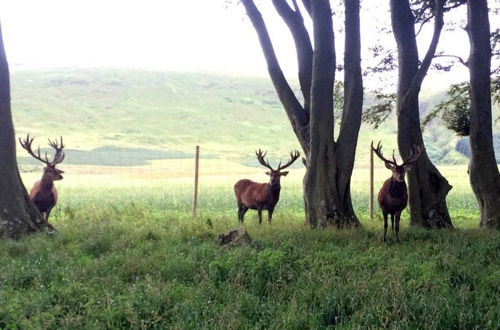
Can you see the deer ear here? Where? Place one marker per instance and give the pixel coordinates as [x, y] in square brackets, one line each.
[268, 173]
[388, 166]
[284, 173]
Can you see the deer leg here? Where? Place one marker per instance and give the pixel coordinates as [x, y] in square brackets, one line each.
[259, 211]
[270, 216]
[241, 212]
[392, 222]
[398, 217]
[47, 220]
[385, 227]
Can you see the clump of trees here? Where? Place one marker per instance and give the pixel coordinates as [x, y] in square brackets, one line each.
[329, 162]
[428, 188]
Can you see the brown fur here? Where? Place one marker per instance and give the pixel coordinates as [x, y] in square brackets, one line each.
[43, 193]
[261, 196]
[393, 196]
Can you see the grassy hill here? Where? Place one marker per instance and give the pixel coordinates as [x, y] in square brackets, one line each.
[138, 115]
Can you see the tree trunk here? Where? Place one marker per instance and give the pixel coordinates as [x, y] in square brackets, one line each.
[319, 182]
[351, 115]
[483, 171]
[18, 215]
[427, 187]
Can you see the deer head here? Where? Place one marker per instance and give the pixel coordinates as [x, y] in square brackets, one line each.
[398, 171]
[275, 175]
[50, 171]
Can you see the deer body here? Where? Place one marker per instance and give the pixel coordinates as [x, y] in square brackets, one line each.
[256, 196]
[393, 196]
[261, 196]
[44, 193]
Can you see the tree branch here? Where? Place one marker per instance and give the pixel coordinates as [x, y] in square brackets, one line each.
[460, 59]
[422, 25]
[426, 62]
[296, 114]
[321, 118]
[307, 6]
[303, 46]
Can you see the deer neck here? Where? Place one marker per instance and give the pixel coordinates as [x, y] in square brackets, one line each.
[397, 188]
[274, 189]
[46, 182]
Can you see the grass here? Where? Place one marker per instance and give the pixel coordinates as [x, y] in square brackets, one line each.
[172, 112]
[128, 254]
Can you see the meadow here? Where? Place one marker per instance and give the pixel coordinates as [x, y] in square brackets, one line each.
[128, 254]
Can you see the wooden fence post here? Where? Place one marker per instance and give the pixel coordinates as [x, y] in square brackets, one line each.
[370, 202]
[196, 171]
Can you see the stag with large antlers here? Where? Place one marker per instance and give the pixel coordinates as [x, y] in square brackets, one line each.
[44, 193]
[393, 197]
[262, 196]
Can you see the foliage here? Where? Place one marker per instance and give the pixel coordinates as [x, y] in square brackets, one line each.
[455, 109]
[135, 258]
[338, 100]
[382, 108]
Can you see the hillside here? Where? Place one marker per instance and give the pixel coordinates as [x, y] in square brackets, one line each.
[127, 117]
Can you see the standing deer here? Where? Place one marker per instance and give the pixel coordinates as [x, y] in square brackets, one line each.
[262, 196]
[393, 196]
[44, 193]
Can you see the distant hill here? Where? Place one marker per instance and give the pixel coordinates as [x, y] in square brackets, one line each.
[153, 114]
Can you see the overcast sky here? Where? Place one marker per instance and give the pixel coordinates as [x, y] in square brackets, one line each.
[183, 35]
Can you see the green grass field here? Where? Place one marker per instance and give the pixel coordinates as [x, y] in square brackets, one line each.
[126, 117]
[128, 254]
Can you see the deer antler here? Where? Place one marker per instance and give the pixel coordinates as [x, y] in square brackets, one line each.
[260, 158]
[294, 155]
[378, 152]
[414, 155]
[58, 157]
[26, 144]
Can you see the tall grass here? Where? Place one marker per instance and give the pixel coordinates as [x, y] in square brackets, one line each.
[128, 254]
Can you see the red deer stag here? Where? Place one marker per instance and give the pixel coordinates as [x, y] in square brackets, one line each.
[44, 193]
[261, 196]
[393, 196]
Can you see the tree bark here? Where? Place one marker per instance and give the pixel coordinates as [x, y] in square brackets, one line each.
[427, 187]
[327, 196]
[353, 108]
[319, 181]
[483, 170]
[18, 215]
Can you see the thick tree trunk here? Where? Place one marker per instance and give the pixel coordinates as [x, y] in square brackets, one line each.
[351, 115]
[483, 171]
[319, 182]
[327, 181]
[18, 215]
[427, 187]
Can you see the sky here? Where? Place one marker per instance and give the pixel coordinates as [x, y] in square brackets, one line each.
[181, 35]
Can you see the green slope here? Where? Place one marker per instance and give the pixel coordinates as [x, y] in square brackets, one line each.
[228, 116]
